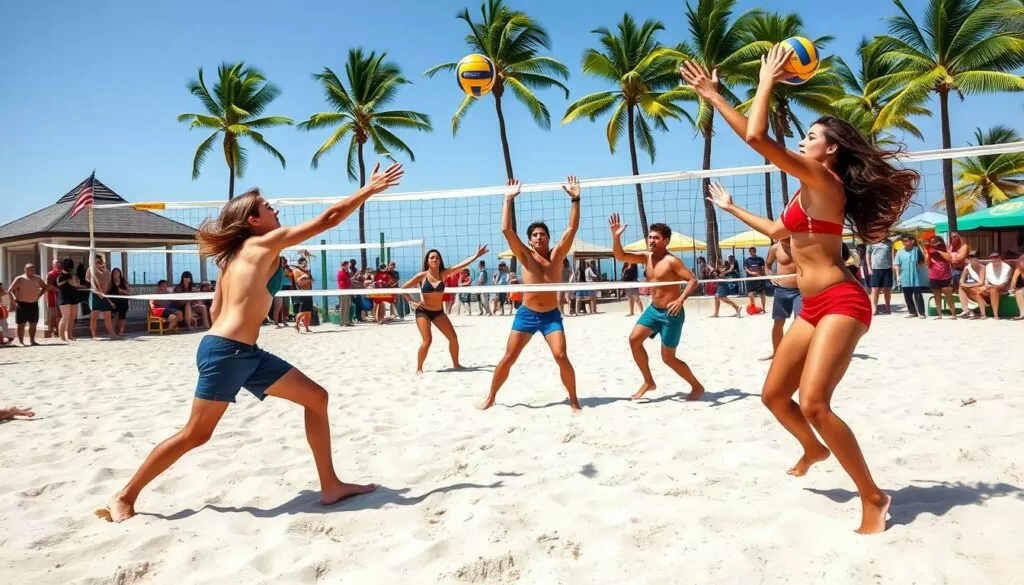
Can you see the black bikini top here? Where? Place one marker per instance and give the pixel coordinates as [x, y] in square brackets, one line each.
[427, 287]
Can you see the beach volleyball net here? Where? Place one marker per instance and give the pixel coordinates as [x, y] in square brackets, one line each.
[402, 227]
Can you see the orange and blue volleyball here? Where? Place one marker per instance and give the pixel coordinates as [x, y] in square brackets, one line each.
[803, 64]
[475, 74]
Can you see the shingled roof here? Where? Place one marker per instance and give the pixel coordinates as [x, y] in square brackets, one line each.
[120, 222]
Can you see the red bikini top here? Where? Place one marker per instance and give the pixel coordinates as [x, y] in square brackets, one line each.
[797, 221]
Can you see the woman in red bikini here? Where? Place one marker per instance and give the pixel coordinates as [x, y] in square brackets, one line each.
[842, 177]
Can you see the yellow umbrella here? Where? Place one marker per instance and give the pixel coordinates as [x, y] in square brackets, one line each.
[746, 240]
[759, 240]
[678, 243]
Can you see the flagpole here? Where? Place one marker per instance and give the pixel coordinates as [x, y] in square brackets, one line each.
[92, 239]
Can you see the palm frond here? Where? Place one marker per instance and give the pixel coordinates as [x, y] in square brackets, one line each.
[201, 153]
[642, 133]
[262, 143]
[324, 120]
[442, 68]
[338, 135]
[460, 113]
[270, 122]
[537, 109]
[590, 106]
[616, 125]
[537, 81]
[981, 82]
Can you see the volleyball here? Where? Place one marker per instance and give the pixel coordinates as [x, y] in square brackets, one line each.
[475, 74]
[803, 64]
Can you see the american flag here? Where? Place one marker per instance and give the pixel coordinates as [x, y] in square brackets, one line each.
[84, 199]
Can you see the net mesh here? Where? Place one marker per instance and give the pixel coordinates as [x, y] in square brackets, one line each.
[457, 222]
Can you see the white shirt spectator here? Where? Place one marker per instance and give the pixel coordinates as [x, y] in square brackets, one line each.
[994, 278]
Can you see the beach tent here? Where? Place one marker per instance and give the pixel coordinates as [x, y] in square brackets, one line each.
[1004, 216]
[920, 223]
[746, 240]
[678, 243]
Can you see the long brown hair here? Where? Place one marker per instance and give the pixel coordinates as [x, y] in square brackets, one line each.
[877, 193]
[222, 238]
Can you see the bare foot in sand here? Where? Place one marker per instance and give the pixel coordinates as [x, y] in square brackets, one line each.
[768, 359]
[808, 459]
[419, 372]
[695, 393]
[343, 491]
[873, 515]
[118, 509]
[647, 387]
[12, 411]
[486, 403]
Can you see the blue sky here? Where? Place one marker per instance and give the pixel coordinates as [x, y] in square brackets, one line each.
[97, 85]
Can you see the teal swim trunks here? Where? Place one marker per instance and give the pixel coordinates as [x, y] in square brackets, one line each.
[661, 323]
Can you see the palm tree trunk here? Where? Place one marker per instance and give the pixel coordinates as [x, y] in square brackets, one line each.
[711, 219]
[498, 90]
[768, 192]
[362, 214]
[947, 164]
[229, 157]
[636, 171]
[780, 137]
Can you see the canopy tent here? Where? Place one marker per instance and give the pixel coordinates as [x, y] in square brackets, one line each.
[678, 243]
[746, 240]
[920, 223]
[758, 240]
[1007, 215]
[579, 250]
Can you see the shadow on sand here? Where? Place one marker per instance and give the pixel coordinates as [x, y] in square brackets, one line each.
[937, 497]
[307, 502]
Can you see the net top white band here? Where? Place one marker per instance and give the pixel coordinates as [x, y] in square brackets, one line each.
[311, 248]
[488, 289]
[924, 155]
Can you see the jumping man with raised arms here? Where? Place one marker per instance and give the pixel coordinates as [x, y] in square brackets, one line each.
[539, 313]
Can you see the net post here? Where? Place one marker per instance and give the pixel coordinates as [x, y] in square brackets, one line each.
[382, 259]
[323, 281]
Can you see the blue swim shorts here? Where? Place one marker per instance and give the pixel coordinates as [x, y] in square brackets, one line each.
[226, 366]
[786, 303]
[661, 323]
[529, 321]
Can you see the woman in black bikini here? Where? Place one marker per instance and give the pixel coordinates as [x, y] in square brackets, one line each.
[430, 309]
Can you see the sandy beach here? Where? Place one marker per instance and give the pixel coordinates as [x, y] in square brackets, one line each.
[655, 491]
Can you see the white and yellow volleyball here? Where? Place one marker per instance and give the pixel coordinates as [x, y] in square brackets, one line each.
[803, 64]
[475, 74]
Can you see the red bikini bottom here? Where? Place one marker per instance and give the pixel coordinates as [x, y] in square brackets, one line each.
[846, 298]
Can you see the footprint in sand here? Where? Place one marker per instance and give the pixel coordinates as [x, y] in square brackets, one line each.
[500, 569]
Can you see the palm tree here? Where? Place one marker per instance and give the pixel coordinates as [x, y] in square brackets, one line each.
[512, 40]
[989, 179]
[717, 42]
[239, 98]
[861, 108]
[358, 116]
[816, 94]
[965, 47]
[648, 87]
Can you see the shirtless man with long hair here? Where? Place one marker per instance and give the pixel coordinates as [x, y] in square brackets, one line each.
[246, 242]
[843, 178]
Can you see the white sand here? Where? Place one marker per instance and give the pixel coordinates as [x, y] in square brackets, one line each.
[654, 492]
